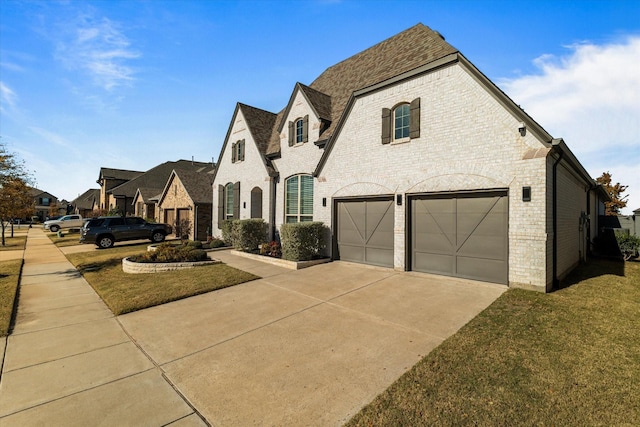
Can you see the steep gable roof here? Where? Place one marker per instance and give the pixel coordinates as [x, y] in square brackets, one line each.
[197, 184]
[260, 124]
[86, 199]
[408, 50]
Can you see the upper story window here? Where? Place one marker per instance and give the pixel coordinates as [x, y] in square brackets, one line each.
[299, 131]
[401, 123]
[299, 198]
[237, 151]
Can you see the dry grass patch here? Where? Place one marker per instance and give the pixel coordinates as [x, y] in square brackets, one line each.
[9, 279]
[123, 292]
[16, 243]
[69, 238]
[567, 358]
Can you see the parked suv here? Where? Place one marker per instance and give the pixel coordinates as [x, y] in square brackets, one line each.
[106, 230]
[67, 221]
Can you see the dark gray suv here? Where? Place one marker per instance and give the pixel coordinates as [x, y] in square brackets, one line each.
[106, 230]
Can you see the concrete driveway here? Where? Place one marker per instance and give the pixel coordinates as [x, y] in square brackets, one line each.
[308, 347]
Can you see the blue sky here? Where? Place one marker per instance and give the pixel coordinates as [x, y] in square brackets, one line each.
[131, 84]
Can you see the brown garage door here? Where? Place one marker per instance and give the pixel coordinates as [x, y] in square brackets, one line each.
[365, 231]
[462, 235]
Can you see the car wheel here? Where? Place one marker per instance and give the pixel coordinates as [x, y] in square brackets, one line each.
[54, 228]
[157, 237]
[105, 242]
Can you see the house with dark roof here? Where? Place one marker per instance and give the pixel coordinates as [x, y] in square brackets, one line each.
[45, 204]
[86, 203]
[416, 161]
[109, 179]
[186, 203]
[125, 196]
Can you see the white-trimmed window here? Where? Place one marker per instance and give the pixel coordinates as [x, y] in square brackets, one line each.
[299, 198]
[228, 201]
[299, 131]
[401, 122]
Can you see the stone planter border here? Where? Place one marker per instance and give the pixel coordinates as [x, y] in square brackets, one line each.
[293, 265]
[159, 267]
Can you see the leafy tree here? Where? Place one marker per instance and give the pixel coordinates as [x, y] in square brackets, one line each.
[15, 198]
[618, 201]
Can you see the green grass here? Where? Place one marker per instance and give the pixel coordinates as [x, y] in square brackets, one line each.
[9, 278]
[567, 358]
[16, 243]
[124, 292]
[69, 238]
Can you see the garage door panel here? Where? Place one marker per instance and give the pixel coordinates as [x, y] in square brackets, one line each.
[434, 263]
[365, 231]
[489, 270]
[461, 235]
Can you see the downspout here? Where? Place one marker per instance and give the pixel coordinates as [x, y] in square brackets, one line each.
[195, 222]
[556, 282]
[588, 222]
[272, 209]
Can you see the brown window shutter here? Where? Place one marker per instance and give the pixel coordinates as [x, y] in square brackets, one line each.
[241, 153]
[236, 200]
[305, 129]
[414, 119]
[292, 134]
[233, 152]
[220, 205]
[386, 125]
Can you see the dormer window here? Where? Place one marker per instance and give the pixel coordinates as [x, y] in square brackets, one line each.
[299, 131]
[402, 123]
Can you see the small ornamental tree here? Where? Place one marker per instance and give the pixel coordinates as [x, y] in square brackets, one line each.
[15, 198]
[618, 201]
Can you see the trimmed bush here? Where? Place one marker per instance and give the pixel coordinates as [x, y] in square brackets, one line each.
[629, 245]
[244, 234]
[166, 252]
[303, 241]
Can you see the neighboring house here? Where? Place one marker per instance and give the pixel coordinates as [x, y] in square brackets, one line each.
[86, 203]
[187, 196]
[142, 193]
[631, 223]
[109, 179]
[416, 161]
[44, 204]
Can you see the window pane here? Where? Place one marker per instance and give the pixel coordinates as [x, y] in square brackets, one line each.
[229, 201]
[299, 125]
[306, 195]
[292, 196]
[401, 122]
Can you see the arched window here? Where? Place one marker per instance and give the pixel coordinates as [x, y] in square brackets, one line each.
[256, 202]
[401, 122]
[228, 203]
[299, 131]
[299, 198]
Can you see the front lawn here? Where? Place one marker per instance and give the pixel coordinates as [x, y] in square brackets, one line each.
[16, 243]
[571, 357]
[69, 238]
[9, 278]
[123, 292]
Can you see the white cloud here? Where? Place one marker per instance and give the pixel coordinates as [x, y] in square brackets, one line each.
[7, 96]
[98, 47]
[591, 98]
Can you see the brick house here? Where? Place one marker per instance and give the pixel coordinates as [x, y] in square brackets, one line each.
[416, 161]
[110, 179]
[187, 196]
[86, 203]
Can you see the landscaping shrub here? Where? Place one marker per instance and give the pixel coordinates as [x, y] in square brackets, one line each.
[167, 252]
[244, 234]
[271, 249]
[629, 245]
[215, 243]
[303, 241]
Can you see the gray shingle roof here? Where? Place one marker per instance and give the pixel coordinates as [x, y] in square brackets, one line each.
[118, 173]
[86, 199]
[155, 178]
[406, 51]
[197, 184]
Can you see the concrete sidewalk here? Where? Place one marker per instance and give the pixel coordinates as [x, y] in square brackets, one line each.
[69, 362]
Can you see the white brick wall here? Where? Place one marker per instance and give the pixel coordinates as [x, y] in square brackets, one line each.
[251, 172]
[468, 141]
[300, 158]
